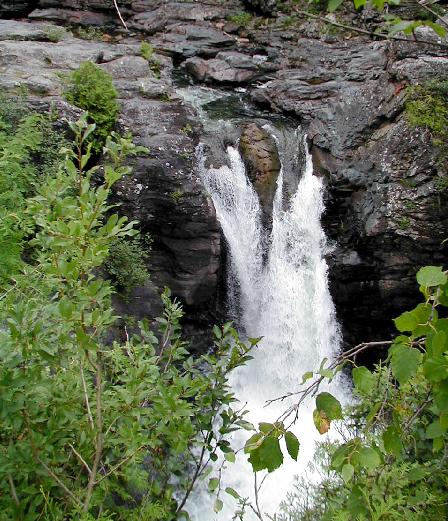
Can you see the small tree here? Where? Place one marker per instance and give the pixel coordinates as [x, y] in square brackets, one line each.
[92, 429]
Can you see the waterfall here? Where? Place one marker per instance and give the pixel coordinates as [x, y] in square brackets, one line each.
[277, 289]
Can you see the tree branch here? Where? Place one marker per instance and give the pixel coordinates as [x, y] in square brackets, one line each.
[119, 15]
[13, 490]
[81, 459]
[99, 437]
[86, 397]
[118, 465]
[372, 34]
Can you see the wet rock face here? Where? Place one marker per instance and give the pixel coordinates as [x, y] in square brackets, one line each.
[386, 214]
[260, 155]
[229, 67]
[11, 8]
[164, 193]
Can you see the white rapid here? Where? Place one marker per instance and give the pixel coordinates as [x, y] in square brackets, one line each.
[278, 289]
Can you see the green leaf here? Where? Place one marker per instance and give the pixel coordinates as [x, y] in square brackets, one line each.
[333, 5]
[218, 506]
[431, 276]
[436, 368]
[439, 343]
[392, 440]
[404, 362]
[435, 430]
[265, 428]
[321, 421]
[347, 472]
[267, 456]
[327, 403]
[306, 376]
[270, 453]
[363, 379]
[230, 457]
[438, 29]
[232, 492]
[292, 445]
[359, 3]
[441, 397]
[368, 458]
[213, 484]
[217, 331]
[356, 503]
[253, 442]
[407, 321]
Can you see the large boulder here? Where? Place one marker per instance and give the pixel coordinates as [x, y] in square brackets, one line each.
[260, 155]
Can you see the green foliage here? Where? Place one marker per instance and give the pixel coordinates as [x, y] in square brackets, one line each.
[91, 88]
[404, 223]
[28, 149]
[126, 263]
[146, 50]
[187, 129]
[56, 34]
[426, 15]
[92, 429]
[392, 462]
[176, 196]
[89, 33]
[241, 18]
[427, 107]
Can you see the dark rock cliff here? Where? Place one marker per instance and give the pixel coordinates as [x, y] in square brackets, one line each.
[386, 214]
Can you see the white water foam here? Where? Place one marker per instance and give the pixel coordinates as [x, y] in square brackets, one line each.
[282, 295]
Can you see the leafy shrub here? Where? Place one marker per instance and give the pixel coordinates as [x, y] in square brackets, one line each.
[391, 464]
[91, 88]
[146, 50]
[28, 149]
[89, 33]
[91, 430]
[56, 34]
[242, 18]
[126, 263]
[427, 106]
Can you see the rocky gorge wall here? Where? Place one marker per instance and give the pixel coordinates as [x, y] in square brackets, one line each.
[386, 214]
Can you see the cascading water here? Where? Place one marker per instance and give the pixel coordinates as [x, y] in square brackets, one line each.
[278, 289]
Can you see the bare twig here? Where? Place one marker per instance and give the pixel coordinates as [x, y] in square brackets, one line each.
[367, 32]
[426, 7]
[99, 437]
[118, 465]
[119, 15]
[35, 453]
[86, 397]
[256, 490]
[83, 461]
[344, 357]
[13, 490]
[58, 481]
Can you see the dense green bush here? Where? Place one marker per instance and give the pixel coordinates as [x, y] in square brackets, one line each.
[427, 106]
[90, 430]
[126, 263]
[392, 462]
[28, 151]
[91, 88]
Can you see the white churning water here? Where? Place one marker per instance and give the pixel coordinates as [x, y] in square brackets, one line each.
[278, 289]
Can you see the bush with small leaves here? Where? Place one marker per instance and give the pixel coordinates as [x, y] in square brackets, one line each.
[91, 88]
[92, 430]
